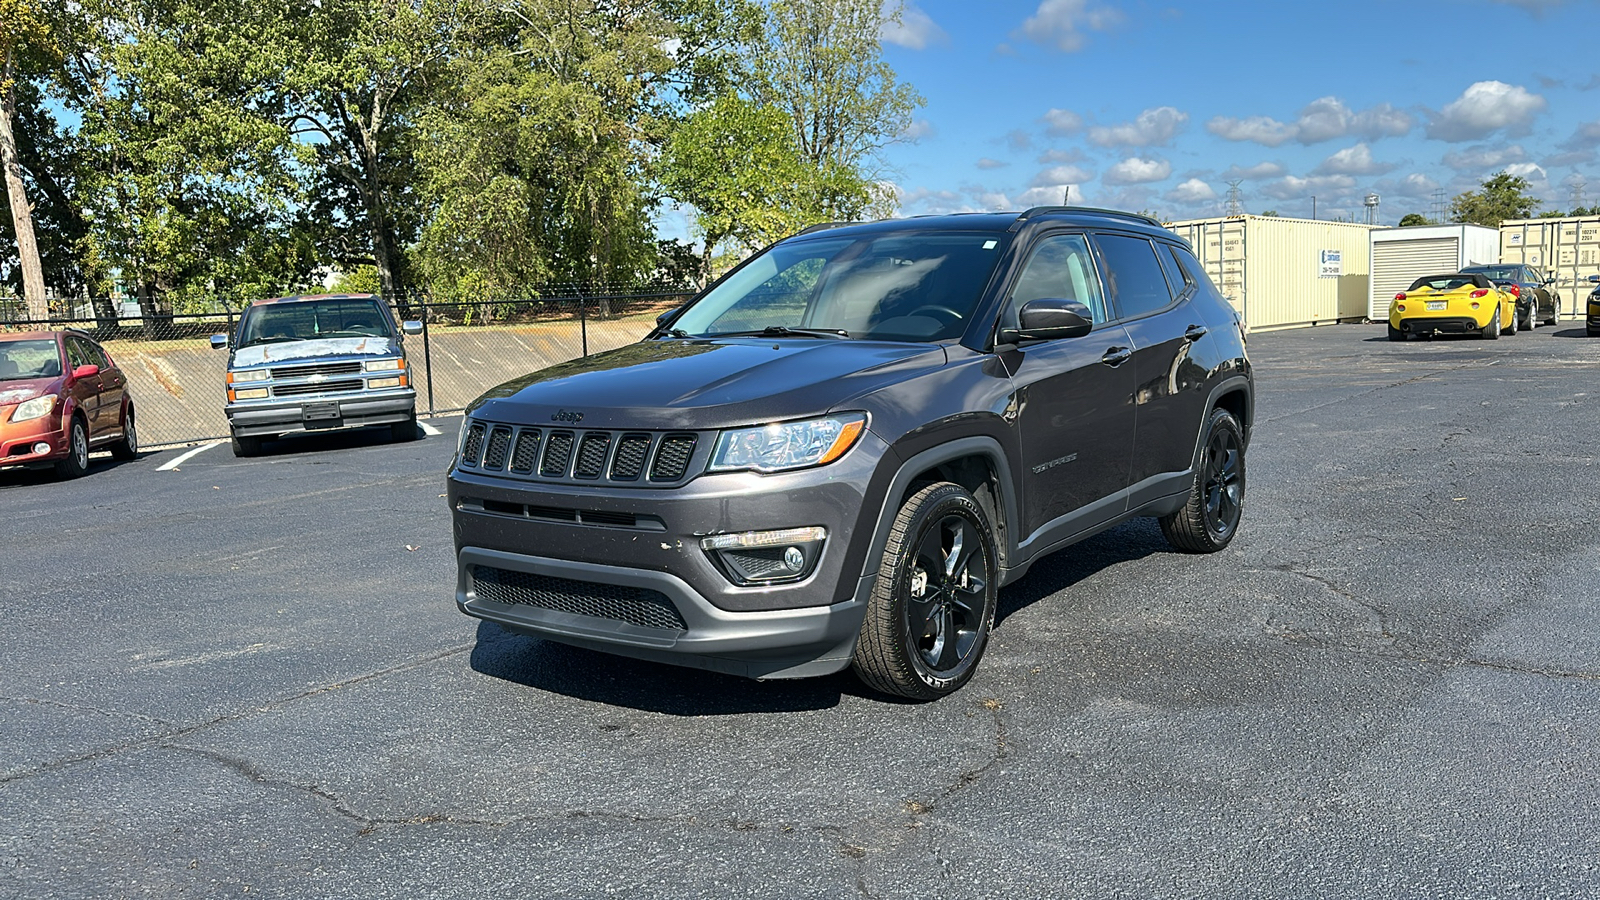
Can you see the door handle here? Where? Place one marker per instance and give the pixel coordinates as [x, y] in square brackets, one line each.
[1116, 356]
[1195, 332]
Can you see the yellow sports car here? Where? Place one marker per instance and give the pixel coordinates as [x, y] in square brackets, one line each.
[1457, 303]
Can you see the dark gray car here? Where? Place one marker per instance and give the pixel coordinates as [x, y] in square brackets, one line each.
[838, 453]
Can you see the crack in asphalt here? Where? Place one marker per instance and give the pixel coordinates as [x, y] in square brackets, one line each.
[1378, 612]
[167, 738]
[79, 707]
[1444, 662]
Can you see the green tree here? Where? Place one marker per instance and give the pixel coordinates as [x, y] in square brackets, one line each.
[1410, 219]
[821, 63]
[1502, 197]
[23, 33]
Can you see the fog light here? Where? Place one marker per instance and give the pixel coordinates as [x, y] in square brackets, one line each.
[766, 557]
[41, 447]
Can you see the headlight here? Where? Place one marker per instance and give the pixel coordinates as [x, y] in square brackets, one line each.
[787, 445]
[33, 409]
[248, 376]
[384, 382]
[251, 394]
[383, 365]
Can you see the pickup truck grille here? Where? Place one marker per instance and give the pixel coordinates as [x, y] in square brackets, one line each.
[319, 387]
[580, 456]
[306, 371]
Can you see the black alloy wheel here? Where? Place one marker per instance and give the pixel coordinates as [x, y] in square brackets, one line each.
[1210, 518]
[931, 611]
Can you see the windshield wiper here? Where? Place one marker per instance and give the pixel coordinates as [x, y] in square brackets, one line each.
[786, 331]
[269, 340]
[676, 333]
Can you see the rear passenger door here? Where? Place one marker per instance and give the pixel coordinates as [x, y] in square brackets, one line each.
[1151, 294]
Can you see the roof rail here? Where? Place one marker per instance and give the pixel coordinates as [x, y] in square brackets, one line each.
[1040, 210]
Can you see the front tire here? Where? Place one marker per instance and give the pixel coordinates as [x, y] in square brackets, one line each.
[402, 432]
[932, 608]
[1210, 518]
[246, 445]
[76, 462]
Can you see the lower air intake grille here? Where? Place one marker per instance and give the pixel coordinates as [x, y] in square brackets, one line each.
[636, 606]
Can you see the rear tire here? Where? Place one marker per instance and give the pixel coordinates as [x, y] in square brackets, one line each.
[76, 462]
[246, 445]
[931, 610]
[128, 447]
[1491, 331]
[1396, 334]
[1555, 314]
[1210, 518]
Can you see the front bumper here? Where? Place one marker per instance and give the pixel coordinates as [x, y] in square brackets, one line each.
[258, 417]
[798, 629]
[17, 439]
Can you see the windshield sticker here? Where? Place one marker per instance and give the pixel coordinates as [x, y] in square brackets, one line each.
[990, 245]
[265, 353]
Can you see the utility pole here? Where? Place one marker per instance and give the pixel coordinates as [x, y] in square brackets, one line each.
[1313, 207]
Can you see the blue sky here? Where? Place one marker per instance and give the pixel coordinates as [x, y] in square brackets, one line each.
[1157, 105]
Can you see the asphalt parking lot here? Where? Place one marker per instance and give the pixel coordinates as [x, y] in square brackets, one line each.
[249, 676]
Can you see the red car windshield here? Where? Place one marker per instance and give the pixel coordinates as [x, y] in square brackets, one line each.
[21, 360]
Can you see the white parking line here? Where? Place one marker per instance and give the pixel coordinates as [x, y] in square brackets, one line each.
[186, 456]
[429, 430]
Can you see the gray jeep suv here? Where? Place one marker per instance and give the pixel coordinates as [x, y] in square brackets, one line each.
[837, 454]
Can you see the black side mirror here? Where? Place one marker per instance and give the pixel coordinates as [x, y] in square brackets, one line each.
[1594, 279]
[668, 316]
[1050, 318]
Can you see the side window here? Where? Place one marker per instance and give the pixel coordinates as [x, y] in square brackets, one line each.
[1177, 279]
[1060, 267]
[1134, 276]
[77, 354]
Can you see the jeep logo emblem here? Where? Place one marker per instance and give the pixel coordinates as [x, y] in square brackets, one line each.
[571, 418]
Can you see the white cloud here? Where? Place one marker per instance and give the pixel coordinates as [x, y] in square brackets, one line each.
[1415, 187]
[1323, 119]
[1062, 122]
[1356, 160]
[1260, 129]
[1292, 187]
[1051, 195]
[1482, 158]
[1061, 23]
[1538, 180]
[1135, 170]
[918, 129]
[1061, 156]
[915, 30]
[1061, 175]
[1017, 139]
[1192, 191]
[1484, 108]
[1257, 172]
[1153, 127]
[987, 163]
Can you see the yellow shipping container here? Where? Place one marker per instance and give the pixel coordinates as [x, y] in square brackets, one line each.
[1284, 273]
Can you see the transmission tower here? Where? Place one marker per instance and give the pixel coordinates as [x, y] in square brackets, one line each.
[1440, 210]
[1578, 184]
[1235, 207]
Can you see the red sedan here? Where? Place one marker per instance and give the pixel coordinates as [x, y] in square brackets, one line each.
[60, 397]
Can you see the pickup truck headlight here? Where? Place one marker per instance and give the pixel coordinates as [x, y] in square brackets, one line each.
[35, 408]
[247, 376]
[384, 365]
[787, 445]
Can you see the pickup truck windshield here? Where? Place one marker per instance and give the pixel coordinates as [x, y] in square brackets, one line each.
[895, 286]
[278, 322]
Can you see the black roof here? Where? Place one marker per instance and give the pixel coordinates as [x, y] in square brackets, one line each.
[1001, 221]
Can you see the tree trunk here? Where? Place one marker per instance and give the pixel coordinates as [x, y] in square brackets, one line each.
[21, 210]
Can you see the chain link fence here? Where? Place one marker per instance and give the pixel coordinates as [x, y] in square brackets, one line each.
[177, 379]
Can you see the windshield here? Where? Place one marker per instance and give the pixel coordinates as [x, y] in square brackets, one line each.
[274, 322]
[29, 359]
[890, 286]
[1498, 273]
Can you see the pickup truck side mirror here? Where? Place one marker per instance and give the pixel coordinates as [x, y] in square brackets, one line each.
[219, 341]
[411, 326]
[1050, 318]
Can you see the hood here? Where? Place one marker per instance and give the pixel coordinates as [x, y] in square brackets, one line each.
[20, 390]
[700, 384]
[294, 351]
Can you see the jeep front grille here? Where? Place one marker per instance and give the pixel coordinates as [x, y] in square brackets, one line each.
[580, 455]
[619, 603]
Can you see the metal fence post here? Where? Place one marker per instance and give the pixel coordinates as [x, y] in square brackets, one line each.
[583, 321]
[427, 354]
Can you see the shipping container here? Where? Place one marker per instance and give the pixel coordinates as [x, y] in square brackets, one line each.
[1568, 248]
[1284, 273]
[1402, 255]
